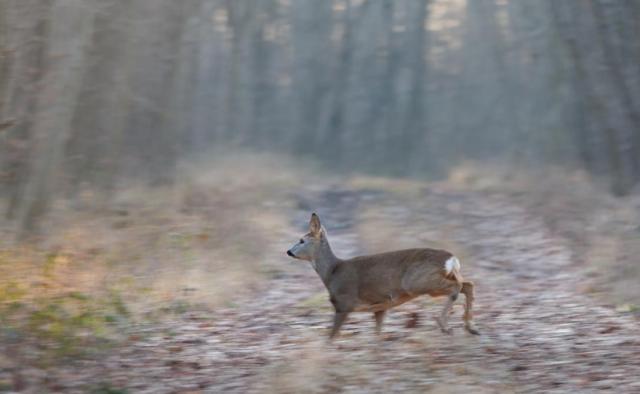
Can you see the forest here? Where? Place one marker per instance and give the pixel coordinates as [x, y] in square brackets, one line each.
[157, 157]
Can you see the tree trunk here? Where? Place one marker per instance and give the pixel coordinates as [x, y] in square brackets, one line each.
[71, 26]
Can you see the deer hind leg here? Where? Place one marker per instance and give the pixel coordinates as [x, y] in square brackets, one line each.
[443, 319]
[468, 291]
[451, 289]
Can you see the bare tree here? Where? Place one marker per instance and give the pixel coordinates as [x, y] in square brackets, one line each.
[97, 93]
[71, 27]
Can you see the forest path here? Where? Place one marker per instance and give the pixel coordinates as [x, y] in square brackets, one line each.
[539, 333]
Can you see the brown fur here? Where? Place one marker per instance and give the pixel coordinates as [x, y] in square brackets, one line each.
[379, 282]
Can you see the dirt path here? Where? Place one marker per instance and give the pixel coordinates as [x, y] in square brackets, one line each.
[539, 332]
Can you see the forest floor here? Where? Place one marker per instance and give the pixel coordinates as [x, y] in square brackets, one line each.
[541, 330]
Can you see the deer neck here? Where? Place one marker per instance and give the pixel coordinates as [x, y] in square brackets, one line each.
[324, 261]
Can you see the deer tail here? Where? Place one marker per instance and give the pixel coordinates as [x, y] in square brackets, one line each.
[452, 269]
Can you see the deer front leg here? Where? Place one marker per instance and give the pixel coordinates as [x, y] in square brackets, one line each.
[468, 291]
[379, 316]
[338, 319]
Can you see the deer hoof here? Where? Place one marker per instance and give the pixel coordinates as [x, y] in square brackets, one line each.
[445, 330]
[472, 330]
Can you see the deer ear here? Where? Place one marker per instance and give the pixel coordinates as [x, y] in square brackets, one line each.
[314, 224]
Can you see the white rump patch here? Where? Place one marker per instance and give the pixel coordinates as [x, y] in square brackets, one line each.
[451, 264]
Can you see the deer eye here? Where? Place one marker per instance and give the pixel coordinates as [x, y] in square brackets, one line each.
[301, 240]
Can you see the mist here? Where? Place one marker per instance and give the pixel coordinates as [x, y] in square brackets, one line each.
[157, 157]
[97, 92]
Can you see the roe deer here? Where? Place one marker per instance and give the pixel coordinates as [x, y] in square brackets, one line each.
[379, 282]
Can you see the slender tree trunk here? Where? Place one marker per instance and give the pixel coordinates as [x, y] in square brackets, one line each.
[414, 129]
[28, 50]
[71, 27]
[621, 118]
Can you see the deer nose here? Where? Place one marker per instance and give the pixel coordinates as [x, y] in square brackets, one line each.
[290, 254]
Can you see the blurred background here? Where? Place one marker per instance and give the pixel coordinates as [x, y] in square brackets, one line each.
[157, 158]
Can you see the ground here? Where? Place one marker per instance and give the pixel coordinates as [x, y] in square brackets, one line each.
[540, 330]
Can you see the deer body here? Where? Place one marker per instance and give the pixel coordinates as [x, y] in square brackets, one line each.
[379, 282]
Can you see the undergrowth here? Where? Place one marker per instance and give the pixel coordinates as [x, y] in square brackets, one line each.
[154, 252]
[43, 317]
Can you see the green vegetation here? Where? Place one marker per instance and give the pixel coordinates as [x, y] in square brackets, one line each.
[56, 319]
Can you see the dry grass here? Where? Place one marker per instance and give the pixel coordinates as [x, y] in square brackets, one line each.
[206, 241]
[216, 234]
[213, 237]
[603, 231]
